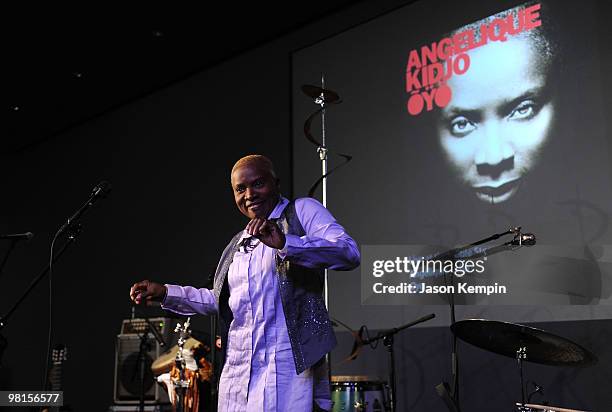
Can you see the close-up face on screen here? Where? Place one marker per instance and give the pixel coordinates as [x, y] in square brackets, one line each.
[500, 115]
[488, 117]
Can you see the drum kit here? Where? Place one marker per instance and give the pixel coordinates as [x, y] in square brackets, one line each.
[523, 343]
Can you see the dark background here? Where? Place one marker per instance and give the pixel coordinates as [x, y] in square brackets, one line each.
[168, 151]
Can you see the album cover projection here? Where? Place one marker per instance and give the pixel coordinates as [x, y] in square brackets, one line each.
[482, 118]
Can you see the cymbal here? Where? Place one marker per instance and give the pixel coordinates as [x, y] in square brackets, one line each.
[315, 92]
[506, 338]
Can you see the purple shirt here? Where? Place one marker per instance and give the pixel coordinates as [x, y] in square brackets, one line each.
[259, 372]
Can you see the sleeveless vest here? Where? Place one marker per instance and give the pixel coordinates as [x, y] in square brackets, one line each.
[310, 330]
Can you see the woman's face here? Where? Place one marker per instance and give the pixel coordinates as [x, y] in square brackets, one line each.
[498, 119]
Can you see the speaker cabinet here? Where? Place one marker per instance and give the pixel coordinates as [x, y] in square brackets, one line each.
[128, 385]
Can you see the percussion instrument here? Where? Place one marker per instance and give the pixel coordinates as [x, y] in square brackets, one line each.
[358, 394]
[506, 338]
[182, 370]
[165, 361]
[316, 92]
[524, 343]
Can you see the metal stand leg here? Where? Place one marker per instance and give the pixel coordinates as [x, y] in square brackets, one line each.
[388, 342]
[521, 354]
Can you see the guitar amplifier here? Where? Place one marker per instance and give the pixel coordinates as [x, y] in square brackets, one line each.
[138, 326]
[135, 408]
[127, 386]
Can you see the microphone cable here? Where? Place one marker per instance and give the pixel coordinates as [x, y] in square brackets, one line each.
[50, 330]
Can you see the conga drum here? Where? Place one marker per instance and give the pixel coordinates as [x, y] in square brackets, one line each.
[358, 394]
[165, 361]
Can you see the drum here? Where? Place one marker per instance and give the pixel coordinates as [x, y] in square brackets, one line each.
[358, 394]
[165, 361]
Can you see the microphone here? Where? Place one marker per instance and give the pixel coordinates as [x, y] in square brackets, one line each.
[100, 191]
[524, 239]
[18, 236]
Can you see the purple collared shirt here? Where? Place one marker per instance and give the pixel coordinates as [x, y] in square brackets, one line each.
[259, 372]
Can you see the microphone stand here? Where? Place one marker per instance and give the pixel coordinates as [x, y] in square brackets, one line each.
[145, 347]
[452, 401]
[387, 338]
[73, 230]
[7, 254]
[141, 365]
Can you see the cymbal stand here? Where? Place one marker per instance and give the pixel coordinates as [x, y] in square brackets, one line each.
[322, 98]
[322, 151]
